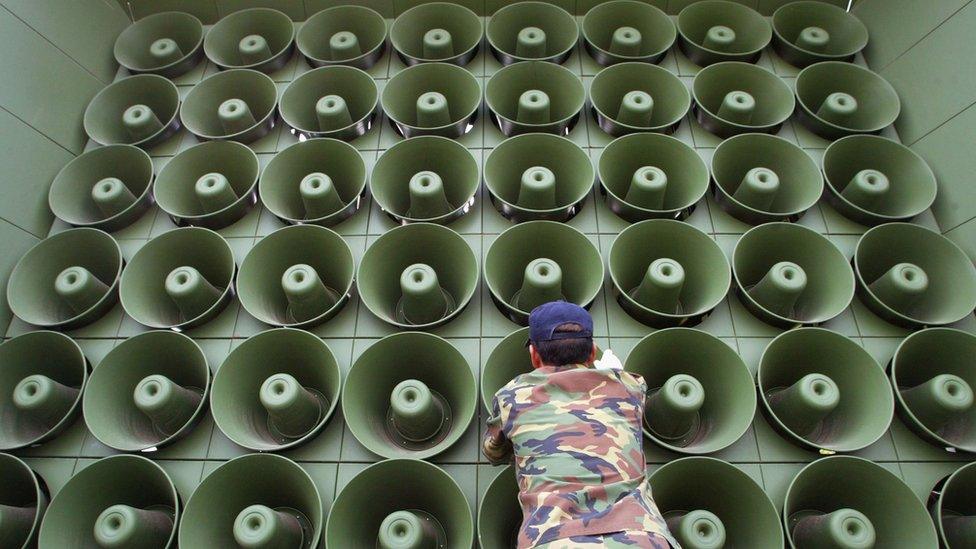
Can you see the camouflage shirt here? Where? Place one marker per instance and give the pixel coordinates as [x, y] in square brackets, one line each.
[576, 436]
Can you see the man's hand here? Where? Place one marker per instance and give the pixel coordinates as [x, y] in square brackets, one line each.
[497, 448]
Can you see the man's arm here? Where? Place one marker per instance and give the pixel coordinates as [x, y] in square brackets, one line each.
[496, 446]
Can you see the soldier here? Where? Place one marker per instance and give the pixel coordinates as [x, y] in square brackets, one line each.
[573, 426]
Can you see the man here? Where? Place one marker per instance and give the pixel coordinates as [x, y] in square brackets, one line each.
[574, 429]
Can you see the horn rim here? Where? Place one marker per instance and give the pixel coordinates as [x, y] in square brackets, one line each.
[113, 222]
[510, 127]
[364, 61]
[245, 289]
[356, 128]
[19, 306]
[880, 308]
[72, 413]
[608, 122]
[460, 11]
[228, 215]
[515, 339]
[702, 56]
[367, 298]
[149, 467]
[937, 497]
[604, 57]
[462, 416]
[42, 494]
[174, 68]
[496, 485]
[754, 216]
[802, 57]
[263, 125]
[828, 130]
[775, 319]
[225, 296]
[508, 58]
[88, 402]
[902, 408]
[522, 317]
[278, 58]
[170, 126]
[713, 123]
[862, 215]
[264, 184]
[455, 128]
[828, 337]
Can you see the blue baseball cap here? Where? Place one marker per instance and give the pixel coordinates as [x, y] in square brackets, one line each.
[544, 319]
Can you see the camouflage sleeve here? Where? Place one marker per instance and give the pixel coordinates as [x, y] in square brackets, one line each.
[496, 446]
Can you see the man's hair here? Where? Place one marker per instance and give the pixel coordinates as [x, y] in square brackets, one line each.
[560, 352]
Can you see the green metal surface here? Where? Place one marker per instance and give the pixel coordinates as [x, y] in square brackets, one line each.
[333, 457]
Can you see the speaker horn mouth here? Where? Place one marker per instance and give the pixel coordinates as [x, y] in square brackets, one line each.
[499, 524]
[636, 97]
[432, 99]
[532, 31]
[437, 32]
[506, 361]
[331, 101]
[343, 35]
[805, 33]
[168, 44]
[950, 507]
[233, 105]
[873, 180]
[534, 97]
[106, 188]
[638, 32]
[733, 98]
[764, 178]
[138, 110]
[261, 39]
[717, 30]
[27, 500]
[837, 99]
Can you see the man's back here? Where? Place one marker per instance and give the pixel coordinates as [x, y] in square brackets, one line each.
[576, 435]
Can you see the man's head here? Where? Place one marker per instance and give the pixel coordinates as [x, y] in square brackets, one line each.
[560, 333]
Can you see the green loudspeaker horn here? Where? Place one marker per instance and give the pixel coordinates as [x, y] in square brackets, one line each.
[258, 38]
[788, 275]
[833, 399]
[118, 501]
[809, 32]
[168, 44]
[499, 512]
[400, 503]
[852, 503]
[22, 504]
[337, 101]
[914, 277]
[418, 276]
[257, 500]
[933, 373]
[139, 110]
[179, 280]
[701, 397]
[235, 105]
[693, 495]
[717, 30]
[638, 97]
[758, 178]
[874, 180]
[297, 276]
[210, 185]
[67, 280]
[951, 507]
[667, 273]
[432, 99]
[837, 99]
[318, 181]
[276, 390]
[437, 31]
[626, 30]
[148, 391]
[538, 176]
[105, 188]
[42, 376]
[532, 31]
[507, 360]
[343, 35]
[426, 178]
[647, 176]
[540, 261]
[534, 97]
[733, 98]
[409, 395]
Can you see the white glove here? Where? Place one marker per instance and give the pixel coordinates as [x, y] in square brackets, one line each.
[608, 361]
